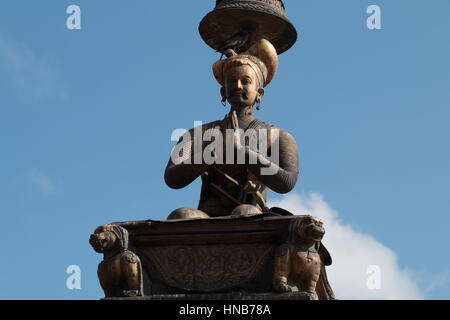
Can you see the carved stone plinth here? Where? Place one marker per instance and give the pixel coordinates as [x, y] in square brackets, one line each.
[250, 257]
[222, 296]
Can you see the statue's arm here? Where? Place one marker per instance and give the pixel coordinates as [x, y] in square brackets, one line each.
[281, 174]
[185, 164]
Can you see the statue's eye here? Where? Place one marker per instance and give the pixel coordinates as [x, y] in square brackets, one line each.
[246, 81]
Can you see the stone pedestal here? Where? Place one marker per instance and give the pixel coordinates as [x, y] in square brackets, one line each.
[231, 258]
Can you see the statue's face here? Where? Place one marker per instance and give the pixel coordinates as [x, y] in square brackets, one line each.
[311, 228]
[103, 242]
[241, 86]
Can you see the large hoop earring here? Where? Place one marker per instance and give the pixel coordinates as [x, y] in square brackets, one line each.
[258, 105]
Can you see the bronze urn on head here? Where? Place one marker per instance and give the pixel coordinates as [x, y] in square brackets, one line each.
[260, 19]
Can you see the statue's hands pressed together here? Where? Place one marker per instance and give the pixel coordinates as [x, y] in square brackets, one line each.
[237, 134]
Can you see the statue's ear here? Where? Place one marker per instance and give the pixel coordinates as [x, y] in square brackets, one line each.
[325, 255]
[223, 93]
[317, 246]
[224, 96]
[260, 94]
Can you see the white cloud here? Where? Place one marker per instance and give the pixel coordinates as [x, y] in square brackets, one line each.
[353, 253]
[43, 182]
[33, 75]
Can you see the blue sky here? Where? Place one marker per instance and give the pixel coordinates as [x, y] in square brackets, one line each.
[86, 118]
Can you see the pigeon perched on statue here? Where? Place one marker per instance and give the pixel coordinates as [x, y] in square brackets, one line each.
[235, 42]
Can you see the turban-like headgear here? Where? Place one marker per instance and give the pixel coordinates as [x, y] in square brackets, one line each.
[261, 57]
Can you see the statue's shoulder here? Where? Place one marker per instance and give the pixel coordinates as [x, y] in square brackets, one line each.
[129, 257]
[205, 126]
[258, 124]
[282, 133]
[275, 132]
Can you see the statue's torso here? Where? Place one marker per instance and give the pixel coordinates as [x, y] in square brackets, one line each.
[305, 266]
[109, 273]
[225, 186]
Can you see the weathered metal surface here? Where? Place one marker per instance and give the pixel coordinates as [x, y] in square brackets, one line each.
[260, 18]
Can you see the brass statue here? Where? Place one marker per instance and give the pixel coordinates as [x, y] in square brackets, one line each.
[229, 246]
[300, 263]
[120, 272]
[233, 187]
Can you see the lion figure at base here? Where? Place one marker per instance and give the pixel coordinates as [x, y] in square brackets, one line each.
[300, 262]
[120, 272]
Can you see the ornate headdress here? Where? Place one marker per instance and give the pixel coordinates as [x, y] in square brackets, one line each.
[261, 57]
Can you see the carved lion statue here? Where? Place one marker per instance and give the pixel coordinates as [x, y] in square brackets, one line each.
[120, 272]
[300, 262]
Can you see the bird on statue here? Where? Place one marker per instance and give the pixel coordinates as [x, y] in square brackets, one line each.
[235, 42]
